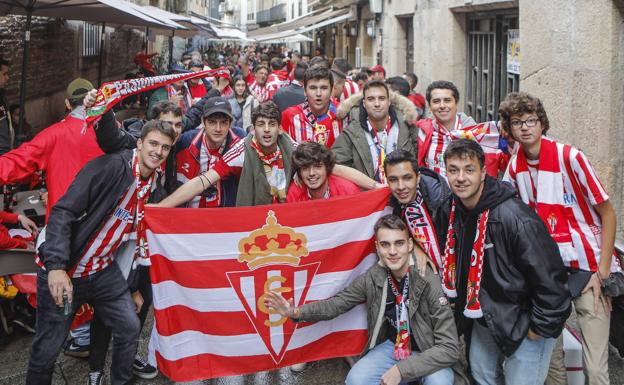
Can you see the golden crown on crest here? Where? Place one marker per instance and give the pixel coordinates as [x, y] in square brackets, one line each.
[272, 244]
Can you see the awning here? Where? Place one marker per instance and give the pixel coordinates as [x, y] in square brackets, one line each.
[187, 26]
[230, 33]
[305, 23]
[320, 21]
[298, 38]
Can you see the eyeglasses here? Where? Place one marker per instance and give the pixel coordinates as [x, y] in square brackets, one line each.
[530, 122]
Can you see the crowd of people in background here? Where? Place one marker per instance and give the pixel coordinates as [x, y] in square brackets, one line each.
[498, 231]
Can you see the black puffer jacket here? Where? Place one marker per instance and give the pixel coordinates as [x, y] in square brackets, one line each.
[524, 282]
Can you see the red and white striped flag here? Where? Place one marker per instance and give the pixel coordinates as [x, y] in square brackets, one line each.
[211, 268]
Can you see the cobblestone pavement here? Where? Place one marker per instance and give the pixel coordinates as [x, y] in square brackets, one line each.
[15, 350]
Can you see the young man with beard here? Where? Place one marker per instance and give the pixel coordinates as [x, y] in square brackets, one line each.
[102, 209]
[315, 119]
[262, 164]
[447, 125]
[504, 273]
[313, 163]
[380, 123]
[559, 183]
[413, 337]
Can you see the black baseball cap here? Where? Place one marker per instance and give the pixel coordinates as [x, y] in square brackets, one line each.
[217, 105]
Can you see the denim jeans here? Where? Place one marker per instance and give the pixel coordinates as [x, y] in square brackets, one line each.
[370, 368]
[82, 334]
[107, 291]
[528, 365]
[101, 335]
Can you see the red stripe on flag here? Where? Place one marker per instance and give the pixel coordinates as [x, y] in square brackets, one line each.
[192, 274]
[205, 366]
[220, 220]
[176, 319]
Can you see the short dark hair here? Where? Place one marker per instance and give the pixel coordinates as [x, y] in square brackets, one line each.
[267, 110]
[413, 78]
[166, 107]
[445, 85]
[398, 84]
[4, 62]
[317, 73]
[400, 156]
[264, 57]
[375, 84]
[158, 125]
[318, 61]
[391, 222]
[321, 50]
[277, 63]
[260, 67]
[186, 56]
[310, 153]
[13, 107]
[341, 64]
[518, 103]
[196, 64]
[465, 148]
[360, 76]
[300, 70]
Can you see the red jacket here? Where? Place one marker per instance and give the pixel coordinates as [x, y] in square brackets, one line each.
[6, 241]
[337, 187]
[60, 150]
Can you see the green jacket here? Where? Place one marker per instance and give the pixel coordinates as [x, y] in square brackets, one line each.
[253, 187]
[351, 147]
[431, 317]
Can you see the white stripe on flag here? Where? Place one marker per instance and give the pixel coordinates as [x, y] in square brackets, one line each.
[191, 343]
[169, 293]
[192, 247]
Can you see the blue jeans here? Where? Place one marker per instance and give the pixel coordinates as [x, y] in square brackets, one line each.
[370, 368]
[528, 365]
[108, 292]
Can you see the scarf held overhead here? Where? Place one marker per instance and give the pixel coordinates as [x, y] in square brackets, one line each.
[111, 93]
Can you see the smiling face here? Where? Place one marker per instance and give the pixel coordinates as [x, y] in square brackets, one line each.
[153, 150]
[443, 106]
[314, 177]
[266, 131]
[466, 178]
[318, 93]
[403, 181]
[394, 248]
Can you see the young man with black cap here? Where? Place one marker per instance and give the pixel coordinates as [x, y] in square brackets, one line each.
[504, 273]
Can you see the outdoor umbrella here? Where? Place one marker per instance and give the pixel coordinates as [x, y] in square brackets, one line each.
[99, 11]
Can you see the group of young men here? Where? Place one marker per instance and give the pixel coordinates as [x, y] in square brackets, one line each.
[463, 254]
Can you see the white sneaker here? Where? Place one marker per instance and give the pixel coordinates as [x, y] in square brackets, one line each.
[298, 368]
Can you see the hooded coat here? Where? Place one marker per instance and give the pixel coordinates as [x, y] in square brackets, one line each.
[351, 147]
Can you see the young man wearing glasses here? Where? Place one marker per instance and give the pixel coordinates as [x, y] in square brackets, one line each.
[558, 182]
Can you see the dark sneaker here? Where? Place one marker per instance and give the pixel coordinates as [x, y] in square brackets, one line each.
[77, 351]
[95, 378]
[143, 370]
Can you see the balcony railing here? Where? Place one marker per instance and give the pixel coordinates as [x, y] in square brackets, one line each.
[272, 15]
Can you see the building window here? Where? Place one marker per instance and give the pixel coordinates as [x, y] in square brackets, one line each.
[91, 39]
[487, 79]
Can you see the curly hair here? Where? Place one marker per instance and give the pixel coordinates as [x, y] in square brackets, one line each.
[267, 110]
[311, 153]
[519, 103]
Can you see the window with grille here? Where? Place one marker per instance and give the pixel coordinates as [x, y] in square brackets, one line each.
[487, 78]
[91, 39]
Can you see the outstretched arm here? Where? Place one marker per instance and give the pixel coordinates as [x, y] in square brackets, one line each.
[190, 189]
[357, 177]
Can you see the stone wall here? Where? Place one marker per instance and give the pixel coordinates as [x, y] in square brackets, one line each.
[55, 60]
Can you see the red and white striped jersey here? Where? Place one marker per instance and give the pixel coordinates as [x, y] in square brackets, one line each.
[117, 228]
[582, 191]
[259, 92]
[302, 125]
[232, 161]
[350, 88]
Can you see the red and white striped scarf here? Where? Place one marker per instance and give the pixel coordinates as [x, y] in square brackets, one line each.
[261, 93]
[546, 194]
[273, 165]
[475, 271]
[421, 227]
